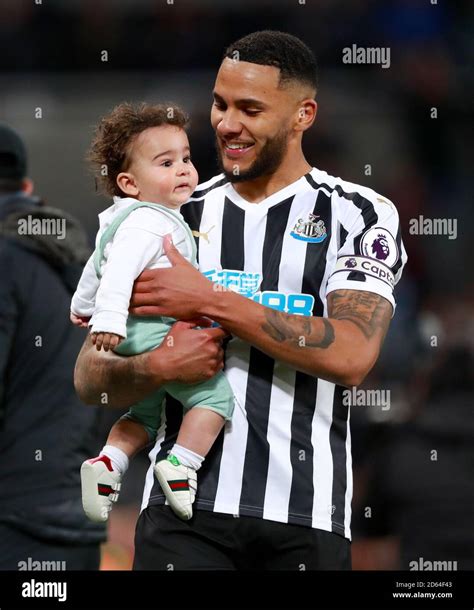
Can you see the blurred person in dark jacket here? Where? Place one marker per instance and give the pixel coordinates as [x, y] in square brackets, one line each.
[45, 431]
[420, 487]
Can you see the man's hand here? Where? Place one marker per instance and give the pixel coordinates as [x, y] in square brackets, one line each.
[180, 291]
[189, 355]
[341, 348]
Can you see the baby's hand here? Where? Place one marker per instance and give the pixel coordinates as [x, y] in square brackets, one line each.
[81, 321]
[106, 340]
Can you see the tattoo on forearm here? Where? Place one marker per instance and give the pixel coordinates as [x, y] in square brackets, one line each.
[370, 312]
[298, 331]
[109, 379]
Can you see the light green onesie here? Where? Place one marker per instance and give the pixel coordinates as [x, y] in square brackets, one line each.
[146, 333]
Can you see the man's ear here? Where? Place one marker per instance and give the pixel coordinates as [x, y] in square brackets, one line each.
[27, 186]
[307, 110]
[126, 183]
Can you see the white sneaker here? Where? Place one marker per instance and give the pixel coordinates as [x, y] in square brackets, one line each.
[179, 484]
[100, 487]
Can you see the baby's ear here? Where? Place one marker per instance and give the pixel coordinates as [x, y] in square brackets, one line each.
[126, 183]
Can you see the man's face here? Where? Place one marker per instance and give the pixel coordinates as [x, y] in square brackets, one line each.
[251, 116]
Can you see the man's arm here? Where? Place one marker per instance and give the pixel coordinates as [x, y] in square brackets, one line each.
[186, 355]
[108, 379]
[341, 348]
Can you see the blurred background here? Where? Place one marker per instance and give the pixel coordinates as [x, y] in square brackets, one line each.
[64, 64]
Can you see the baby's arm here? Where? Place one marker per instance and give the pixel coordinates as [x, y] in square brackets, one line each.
[131, 251]
[81, 321]
[83, 301]
[106, 341]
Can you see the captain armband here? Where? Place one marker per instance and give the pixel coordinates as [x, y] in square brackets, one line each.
[368, 266]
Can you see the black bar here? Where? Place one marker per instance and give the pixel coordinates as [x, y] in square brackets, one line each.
[240, 590]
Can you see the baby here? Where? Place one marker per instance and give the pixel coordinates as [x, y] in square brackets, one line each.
[144, 151]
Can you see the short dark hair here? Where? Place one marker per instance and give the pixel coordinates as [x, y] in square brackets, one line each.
[291, 55]
[117, 131]
[13, 155]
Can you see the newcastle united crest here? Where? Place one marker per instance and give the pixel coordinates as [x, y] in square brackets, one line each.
[311, 230]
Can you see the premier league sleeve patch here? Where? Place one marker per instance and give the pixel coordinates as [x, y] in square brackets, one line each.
[378, 243]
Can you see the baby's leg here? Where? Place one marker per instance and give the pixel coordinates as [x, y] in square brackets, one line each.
[177, 474]
[101, 477]
[199, 430]
[125, 439]
[129, 436]
[208, 405]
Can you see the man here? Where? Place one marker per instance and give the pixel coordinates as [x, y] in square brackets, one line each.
[422, 506]
[318, 258]
[45, 432]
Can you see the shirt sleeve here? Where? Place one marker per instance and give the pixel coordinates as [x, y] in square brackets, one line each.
[130, 253]
[371, 255]
[83, 300]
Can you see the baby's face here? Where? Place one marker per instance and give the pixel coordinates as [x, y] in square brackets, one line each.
[161, 166]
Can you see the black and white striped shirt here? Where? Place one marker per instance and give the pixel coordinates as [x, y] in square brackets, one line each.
[286, 455]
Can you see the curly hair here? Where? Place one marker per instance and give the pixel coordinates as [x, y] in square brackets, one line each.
[109, 152]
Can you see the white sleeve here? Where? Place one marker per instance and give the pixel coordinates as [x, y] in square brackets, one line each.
[130, 253]
[83, 300]
[371, 256]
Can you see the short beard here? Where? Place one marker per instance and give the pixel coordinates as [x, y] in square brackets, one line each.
[268, 161]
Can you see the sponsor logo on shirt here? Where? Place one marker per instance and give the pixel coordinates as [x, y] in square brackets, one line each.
[247, 284]
[244, 282]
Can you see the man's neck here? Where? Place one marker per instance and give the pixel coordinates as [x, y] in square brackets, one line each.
[255, 191]
[16, 200]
